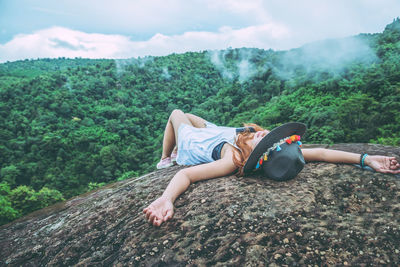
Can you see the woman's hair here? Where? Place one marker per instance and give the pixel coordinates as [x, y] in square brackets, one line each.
[240, 156]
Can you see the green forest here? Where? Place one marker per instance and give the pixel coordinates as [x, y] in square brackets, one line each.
[69, 126]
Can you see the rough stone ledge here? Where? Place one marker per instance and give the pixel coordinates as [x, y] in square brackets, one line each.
[330, 214]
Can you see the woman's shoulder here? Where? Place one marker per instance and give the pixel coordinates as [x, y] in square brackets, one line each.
[227, 150]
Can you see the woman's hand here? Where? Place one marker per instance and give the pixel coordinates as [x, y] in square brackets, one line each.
[161, 210]
[383, 164]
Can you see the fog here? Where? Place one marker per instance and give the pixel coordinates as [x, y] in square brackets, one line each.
[242, 68]
[121, 64]
[332, 56]
[329, 55]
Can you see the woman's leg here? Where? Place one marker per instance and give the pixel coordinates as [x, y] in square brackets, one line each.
[196, 120]
[170, 140]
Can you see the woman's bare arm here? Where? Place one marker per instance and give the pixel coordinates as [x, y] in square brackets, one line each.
[162, 209]
[185, 177]
[329, 155]
[378, 163]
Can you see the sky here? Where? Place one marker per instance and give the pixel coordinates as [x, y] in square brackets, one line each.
[31, 29]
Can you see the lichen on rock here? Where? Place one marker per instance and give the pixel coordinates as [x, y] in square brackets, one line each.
[330, 214]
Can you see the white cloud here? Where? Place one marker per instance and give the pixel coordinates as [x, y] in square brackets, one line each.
[160, 27]
[63, 42]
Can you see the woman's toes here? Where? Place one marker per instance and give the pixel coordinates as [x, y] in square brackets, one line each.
[157, 222]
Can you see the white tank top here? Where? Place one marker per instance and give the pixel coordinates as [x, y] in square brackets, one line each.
[195, 145]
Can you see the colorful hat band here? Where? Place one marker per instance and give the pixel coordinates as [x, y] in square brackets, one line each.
[289, 140]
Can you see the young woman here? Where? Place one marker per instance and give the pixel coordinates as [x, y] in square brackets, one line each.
[220, 151]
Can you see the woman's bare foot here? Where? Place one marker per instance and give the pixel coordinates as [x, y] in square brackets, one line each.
[161, 210]
[383, 164]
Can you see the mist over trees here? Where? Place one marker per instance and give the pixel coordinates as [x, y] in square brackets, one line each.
[72, 125]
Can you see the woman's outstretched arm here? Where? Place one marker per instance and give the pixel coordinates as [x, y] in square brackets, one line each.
[378, 163]
[162, 209]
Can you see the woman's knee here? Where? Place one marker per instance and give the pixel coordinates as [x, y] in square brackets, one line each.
[176, 113]
[177, 117]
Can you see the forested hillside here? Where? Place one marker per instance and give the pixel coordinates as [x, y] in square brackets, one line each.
[71, 125]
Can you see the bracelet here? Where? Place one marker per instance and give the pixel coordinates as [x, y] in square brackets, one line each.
[362, 159]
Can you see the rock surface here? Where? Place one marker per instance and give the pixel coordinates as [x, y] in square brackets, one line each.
[330, 214]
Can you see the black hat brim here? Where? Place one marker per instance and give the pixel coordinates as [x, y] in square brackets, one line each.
[278, 133]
